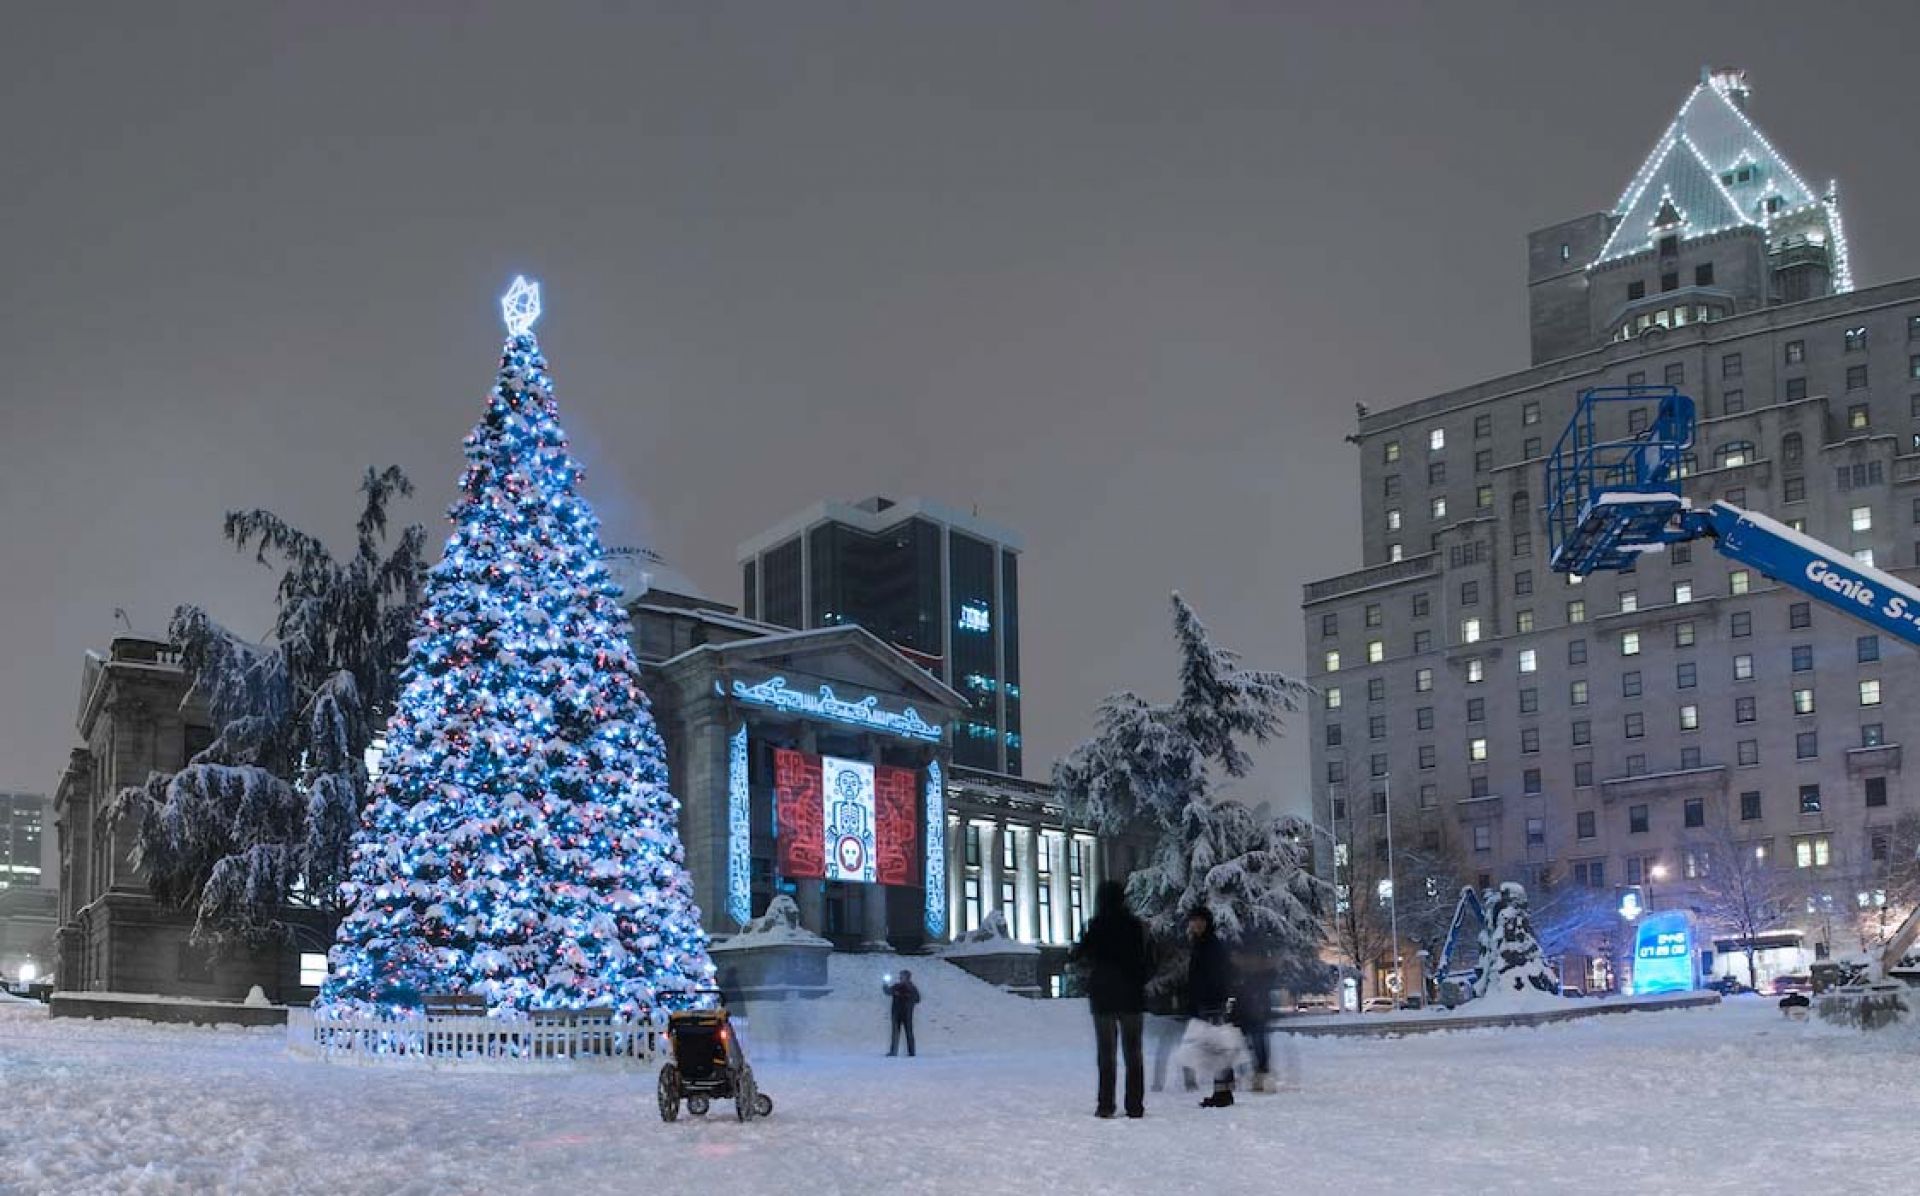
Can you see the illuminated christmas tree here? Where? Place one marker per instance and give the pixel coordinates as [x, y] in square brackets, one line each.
[521, 842]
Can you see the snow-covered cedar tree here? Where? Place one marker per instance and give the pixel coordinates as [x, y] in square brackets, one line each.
[1147, 763]
[1510, 956]
[264, 814]
[521, 843]
[1251, 872]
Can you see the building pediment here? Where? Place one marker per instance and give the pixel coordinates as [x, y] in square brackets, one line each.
[851, 660]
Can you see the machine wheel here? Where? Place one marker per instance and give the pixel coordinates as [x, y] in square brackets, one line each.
[746, 1096]
[669, 1093]
[762, 1104]
[698, 1105]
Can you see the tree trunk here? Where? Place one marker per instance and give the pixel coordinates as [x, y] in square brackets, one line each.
[1753, 973]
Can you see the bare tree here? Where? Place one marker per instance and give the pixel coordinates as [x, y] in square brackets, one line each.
[1359, 924]
[1741, 894]
[1574, 919]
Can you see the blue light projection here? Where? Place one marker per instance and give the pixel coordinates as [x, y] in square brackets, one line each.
[867, 712]
[974, 616]
[1663, 953]
[936, 853]
[739, 831]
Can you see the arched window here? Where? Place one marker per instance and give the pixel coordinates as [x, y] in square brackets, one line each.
[1734, 452]
[1790, 448]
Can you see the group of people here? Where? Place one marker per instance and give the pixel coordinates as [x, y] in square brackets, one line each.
[1117, 959]
[1117, 956]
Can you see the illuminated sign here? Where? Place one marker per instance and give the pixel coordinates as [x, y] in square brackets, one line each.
[1630, 905]
[824, 703]
[739, 831]
[974, 616]
[847, 791]
[1663, 953]
[936, 853]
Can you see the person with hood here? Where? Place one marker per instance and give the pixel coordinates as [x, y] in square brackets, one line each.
[905, 996]
[1118, 963]
[1209, 988]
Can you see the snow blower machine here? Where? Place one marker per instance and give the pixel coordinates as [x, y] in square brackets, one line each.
[706, 1061]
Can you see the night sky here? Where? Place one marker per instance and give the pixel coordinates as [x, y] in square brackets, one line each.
[1114, 274]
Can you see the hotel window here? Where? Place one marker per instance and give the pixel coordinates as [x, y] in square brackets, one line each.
[1527, 660]
[1523, 544]
[1861, 519]
[313, 969]
[1703, 274]
[1630, 684]
[1740, 624]
[1536, 832]
[1469, 631]
[1482, 426]
[1743, 709]
[1482, 837]
[1373, 617]
[1857, 380]
[1436, 440]
[1870, 692]
[1584, 825]
[1376, 726]
[1634, 725]
[1376, 689]
[1876, 791]
[1793, 489]
[1391, 451]
[1629, 601]
[1913, 367]
[1329, 625]
[1693, 813]
[1629, 643]
[1483, 461]
[1872, 735]
[1476, 671]
[1796, 352]
[1733, 402]
[1530, 741]
[1812, 851]
[1332, 697]
[1866, 649]
[1803, 701]
[1393, 519]
[1530, 448]
[1577, 693]
[1437, 473]
[1730, 365]
[1733, 453]
[1676, 373]
[1576, 611]
[970, 897]
[1576, 651]
[1863, 556]
[1423, 718]
[1683, 634]
[1376, 651]
[1469, 593]
[1332, 662]
[1428, 756]
[1334, 733]
[1747, 753]
[1529, 700]
[1796, 389]
[1689, 718]
[1477, 750]
[1438, 507]
[1390, 485]
[1422, 642]
[1750, 806]
[1689, 757]
[1483, 498]
[1743, 667]
[1422, 680]
[1913, 328]
[1682, 591]
[1854, 339]
[1637, 820]
[1395, 552]
[1523, 583]
[1523, 622]
[1686, 675]
[1582, 733]
[1806, 745]
[1799, 615]
[1583, 774]
[1739, 581]
[1637, 420]
[1476, 710]
[1420, 605]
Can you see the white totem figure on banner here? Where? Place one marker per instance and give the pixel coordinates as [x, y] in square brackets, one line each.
[847, 791]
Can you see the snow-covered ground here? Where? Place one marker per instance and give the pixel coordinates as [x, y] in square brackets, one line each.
[1726, 1099]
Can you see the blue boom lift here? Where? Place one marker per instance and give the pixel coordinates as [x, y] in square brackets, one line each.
[1611, 500]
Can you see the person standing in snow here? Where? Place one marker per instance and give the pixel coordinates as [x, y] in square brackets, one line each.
[1209, 988]
[1253, 1011]
[905, 997]
[1115, 953]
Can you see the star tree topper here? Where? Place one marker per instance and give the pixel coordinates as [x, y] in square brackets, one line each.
[520, 306]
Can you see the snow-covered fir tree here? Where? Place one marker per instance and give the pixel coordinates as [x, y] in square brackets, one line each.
[1510, 957]
[521, 842]
[265, 813]
[1153, 764]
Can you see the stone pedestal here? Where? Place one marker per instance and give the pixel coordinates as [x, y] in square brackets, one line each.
[990, 954]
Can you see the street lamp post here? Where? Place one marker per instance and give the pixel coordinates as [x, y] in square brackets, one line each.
[1393, 893]
[1654, 872]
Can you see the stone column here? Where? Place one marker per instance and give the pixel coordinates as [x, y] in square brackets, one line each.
[990, 868]
[1029, 858]
[1057, 859]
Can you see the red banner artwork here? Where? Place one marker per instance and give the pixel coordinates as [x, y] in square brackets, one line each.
[799, 814]
[896, 825]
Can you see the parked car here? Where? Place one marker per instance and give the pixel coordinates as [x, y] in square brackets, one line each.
[1782, 985]
[1321, 1004]
[1727, 986]
[1378, 1005]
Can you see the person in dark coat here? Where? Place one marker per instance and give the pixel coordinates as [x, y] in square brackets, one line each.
[1118, 964]
[1209, 988]
[905, 996]
[1253, 1011]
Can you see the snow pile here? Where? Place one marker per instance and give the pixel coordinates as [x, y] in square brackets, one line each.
[1523, 999]
[779, 926]
[990, 939]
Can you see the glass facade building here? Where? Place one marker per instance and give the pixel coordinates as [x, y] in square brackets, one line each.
[25, 821]
[938, 584]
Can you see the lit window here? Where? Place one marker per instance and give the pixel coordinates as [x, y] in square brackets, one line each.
[1862, 519]
[1476, 671]
[1863, 556]
[1815, 852]
[1393, 519]
[1577, 693]
[1743, 667]
[1576, 611]
[1393, 552]
[1469, 631]
[1529, 413]
[1683, 591]
[1483, 497]
[1870, 692]
[1392, 451]
[313, 969]
[1333, 662]
[1689, 718]
[1629, 643]
[1527, 663]
[1439, 507]
[1629, 601]
[1803, 701]
[1437, 439]
[1376, 651]
[1739, 581]
[1422, 680]
[1523, 622]
[1477, 750]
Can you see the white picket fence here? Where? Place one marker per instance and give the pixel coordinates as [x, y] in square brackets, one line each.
[589, 1036]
